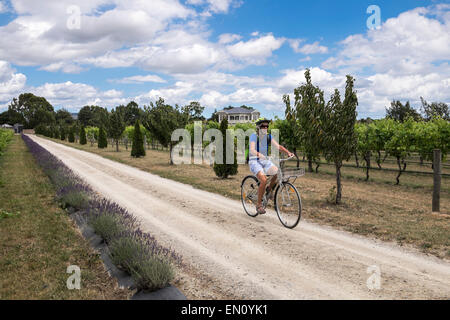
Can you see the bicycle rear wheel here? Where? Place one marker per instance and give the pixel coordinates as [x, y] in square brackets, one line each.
[249, 195]
[288, 205]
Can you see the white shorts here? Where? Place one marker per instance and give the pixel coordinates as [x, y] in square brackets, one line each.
[257, 165]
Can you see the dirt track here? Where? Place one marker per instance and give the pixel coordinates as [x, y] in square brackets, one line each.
[231, 255]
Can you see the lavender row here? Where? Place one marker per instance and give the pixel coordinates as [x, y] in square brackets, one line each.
[131, 249]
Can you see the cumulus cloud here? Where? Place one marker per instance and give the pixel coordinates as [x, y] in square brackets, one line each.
[3, 7]
[140, 79]
[73, 96]
[406, 44]
[407, 57]
[256, 50]
[228, 38]
[215, 6]
[40, 36]
[307, 48]
[11, 83]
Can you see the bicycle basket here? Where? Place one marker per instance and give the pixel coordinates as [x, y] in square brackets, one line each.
[292, 172]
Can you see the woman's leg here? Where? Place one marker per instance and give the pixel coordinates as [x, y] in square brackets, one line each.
[262, 186]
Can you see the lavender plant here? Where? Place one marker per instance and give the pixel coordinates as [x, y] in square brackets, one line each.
[138, 253]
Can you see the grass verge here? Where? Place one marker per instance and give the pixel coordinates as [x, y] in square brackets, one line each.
[38, 241]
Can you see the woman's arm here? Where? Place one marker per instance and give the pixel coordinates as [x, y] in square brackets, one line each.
[280, 147]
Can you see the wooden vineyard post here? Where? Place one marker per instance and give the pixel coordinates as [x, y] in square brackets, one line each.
[437, 168]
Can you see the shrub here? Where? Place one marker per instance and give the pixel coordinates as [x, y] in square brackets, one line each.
[102, 141]
[71, 136]
[137, 149]
[83, 136]
[77, 200]
[107, 226]
[224, 170]
[152, 274]
[62, 133]
[149, 271]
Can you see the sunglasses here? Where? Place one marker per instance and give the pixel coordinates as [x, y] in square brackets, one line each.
[264, 127]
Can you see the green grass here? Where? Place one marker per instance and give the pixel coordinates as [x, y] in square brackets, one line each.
[38, 241]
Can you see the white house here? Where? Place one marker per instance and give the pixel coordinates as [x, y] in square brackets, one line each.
[238, 115]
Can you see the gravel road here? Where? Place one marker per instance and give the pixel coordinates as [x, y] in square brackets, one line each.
[230, 255]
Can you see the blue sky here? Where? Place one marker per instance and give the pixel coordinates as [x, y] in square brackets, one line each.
[222, 52]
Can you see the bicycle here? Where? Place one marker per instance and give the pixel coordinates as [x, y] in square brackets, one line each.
[287, 201]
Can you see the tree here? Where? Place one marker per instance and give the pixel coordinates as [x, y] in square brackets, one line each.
[83, 140]
[364, 144]
[102, 141]
[71, 135]
[339, 136]
[137, 148]
[131, 112]
[117, 126]
[94, 116]
[225, 170]
[400, 112]
[62, 132]
[161, 120]
[31, 110]
[194, 111]
[214, 116]
[4, 118]
[64, 117]
[85, 116]
[434, 110]
[401, 144]
[309, 111]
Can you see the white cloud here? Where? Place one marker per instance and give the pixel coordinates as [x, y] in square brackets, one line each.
[74, 96]
[256, 50]
[140, 79]
[229, 38]
[308, 48]
[3, 7]
[11, 83]
[62, 66]
[39, 35]
[406, 58]
[215, 6]
[406, 44]
[177, 94]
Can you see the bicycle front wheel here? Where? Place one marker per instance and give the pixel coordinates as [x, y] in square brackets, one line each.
[249, 195]
[288, 205]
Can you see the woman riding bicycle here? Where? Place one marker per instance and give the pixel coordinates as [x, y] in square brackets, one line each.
[259, 165]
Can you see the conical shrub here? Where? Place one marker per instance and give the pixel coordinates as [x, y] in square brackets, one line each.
[102, 141]
[83, 139]
[137, 149]
[224, 170]
[71, 135]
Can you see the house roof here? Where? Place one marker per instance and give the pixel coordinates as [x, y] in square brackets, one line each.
[238, 110]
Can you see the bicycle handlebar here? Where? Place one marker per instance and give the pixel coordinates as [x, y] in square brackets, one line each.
[271, 158]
